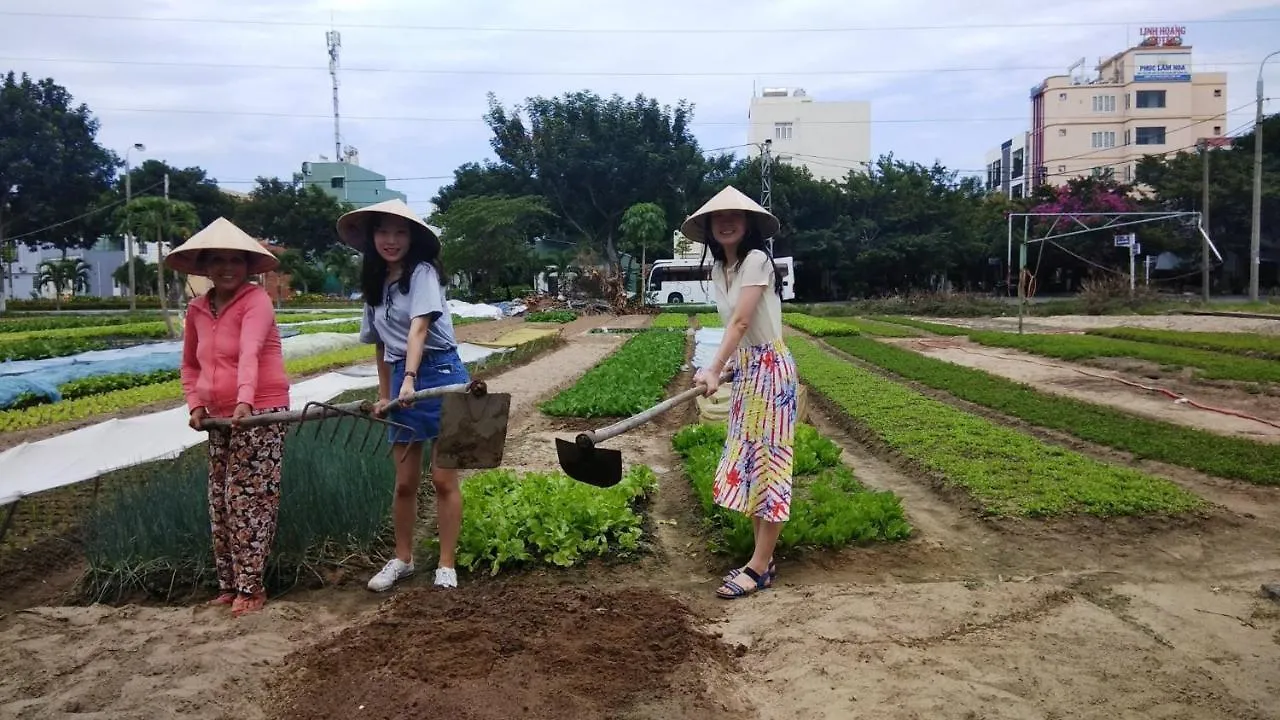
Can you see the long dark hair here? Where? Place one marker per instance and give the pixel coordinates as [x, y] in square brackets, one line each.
[373, 269]
[751, 240]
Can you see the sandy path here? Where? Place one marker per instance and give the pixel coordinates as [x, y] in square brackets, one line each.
[1068, 379]
[1061, 323]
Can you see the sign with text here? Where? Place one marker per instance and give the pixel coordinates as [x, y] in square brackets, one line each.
[1166, 35]
[1162, 67]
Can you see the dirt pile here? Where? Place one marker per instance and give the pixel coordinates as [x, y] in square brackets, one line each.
[501, 652]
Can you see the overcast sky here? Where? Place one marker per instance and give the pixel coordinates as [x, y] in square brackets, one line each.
[241, 87]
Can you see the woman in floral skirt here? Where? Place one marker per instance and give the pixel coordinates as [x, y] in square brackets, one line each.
[755, 470]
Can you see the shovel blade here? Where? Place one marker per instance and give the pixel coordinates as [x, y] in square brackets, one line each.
[595, 466]
[473, 430]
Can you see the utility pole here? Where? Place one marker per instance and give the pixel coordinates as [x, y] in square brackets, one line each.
[1255, 234]
[4, 254]
[334, 40]
[164, 303]
[1204, 221]
[766, 181]
[128, 236]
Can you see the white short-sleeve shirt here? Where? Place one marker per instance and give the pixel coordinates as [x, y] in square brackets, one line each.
[756, 269]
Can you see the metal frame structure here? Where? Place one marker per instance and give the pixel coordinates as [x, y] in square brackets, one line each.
[1114, 220]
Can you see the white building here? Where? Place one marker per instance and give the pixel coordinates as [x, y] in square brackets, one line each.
[103, 260]
[1007, 166]
[830, 138]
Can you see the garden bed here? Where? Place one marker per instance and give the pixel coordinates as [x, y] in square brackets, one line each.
[830, 508]
[631, 380]
[1005, 472]
[1203, 364]
[818, 326]
[1257, 345]
[1210, 453]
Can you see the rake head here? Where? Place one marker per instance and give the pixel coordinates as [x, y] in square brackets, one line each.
[328, 410]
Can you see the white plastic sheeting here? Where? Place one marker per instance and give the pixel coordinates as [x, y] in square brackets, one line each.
[467, 310]
[92, 451]
[315, 343]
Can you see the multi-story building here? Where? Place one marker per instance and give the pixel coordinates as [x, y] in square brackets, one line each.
[349, 182]
[1007, 167]
[830, 138]
[1143, 101]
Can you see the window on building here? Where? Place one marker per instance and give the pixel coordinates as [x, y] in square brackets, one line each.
[1103, 139]
[1217, 129]
[1147, 99]
[1127, 101]
[783, 131]
[1062, 169]
[1062, 132]
[1062, 96]
[1017, 191]
[1128, 173]
[1149, 135]
[336, 181]
[1128, 137]
[1104, 103]
[1217, 92]
[1015, 161]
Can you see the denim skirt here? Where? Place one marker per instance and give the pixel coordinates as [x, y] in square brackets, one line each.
[436, 369]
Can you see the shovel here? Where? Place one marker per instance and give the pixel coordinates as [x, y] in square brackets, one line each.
[473, 422]
[601, 467]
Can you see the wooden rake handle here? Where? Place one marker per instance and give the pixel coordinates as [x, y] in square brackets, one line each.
[475, 387]
[595, 436]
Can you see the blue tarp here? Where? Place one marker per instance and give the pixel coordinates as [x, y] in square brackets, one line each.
[42, 377]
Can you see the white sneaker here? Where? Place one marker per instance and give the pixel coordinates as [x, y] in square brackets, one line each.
[446, 577]
[395, 569]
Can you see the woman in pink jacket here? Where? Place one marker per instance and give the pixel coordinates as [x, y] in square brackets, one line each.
[232, 366]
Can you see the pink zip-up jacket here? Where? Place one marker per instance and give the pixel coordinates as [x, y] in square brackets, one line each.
[235, 357]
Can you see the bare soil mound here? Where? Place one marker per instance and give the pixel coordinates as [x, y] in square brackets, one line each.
[502, 652]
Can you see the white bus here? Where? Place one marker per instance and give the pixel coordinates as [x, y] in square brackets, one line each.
[672, 282]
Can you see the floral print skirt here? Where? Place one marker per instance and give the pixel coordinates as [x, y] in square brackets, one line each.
[244, 500]
[754, 474]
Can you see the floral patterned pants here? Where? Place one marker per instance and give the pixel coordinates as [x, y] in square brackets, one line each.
[244, 498]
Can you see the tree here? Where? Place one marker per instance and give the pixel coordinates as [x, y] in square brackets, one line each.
[489, 239]
[52, 168]
[591, 158]
[291, 214]
[302, 271]
[171, 221]
[644, 228]
[344, 265]
[67, 275]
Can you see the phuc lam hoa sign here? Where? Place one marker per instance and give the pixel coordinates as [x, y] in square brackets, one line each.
[1170, 62]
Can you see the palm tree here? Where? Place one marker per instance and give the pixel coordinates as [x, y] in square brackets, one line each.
[174, 220]
[344, 266]
[66, 274]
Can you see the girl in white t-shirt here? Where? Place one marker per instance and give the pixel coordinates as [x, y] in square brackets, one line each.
[755, 470]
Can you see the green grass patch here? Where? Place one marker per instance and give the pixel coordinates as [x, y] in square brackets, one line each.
[1226, 457]
[709, 320]
[670, 321]
[935, 328]
[551, 316]
[818, 326]
[829, 507]
[1005, 471]
[1255, 345]
[152, 535]
[631, 380]
[876, 328]
[516, 519]
[1206, 364]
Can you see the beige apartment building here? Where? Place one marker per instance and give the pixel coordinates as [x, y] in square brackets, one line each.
[1145, 100]
[828, 137]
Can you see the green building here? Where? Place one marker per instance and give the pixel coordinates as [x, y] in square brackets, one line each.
[349, 182]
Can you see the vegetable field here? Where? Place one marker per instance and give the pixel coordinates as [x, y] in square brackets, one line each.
[971, 524]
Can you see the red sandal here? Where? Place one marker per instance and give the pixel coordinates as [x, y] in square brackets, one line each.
[245, 604]
[226, 598]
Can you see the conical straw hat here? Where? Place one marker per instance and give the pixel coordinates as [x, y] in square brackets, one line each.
[353, 227]
[221, 234]
[730, 198]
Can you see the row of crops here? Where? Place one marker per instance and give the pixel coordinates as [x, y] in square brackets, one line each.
[64, 368]
[517, 519]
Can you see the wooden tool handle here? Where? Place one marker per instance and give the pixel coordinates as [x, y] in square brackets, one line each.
[312, 413]
[474, 387]
[635, 421]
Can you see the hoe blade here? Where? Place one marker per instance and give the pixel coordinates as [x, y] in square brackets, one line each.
[586, 463]
[473, 430]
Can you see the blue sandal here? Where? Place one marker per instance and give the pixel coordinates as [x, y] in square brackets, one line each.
[732, 589]
[770, 575]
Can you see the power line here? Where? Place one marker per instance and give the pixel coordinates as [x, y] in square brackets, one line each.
[565, 73]
[412, 118]
[82, 216]
[672, 30]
